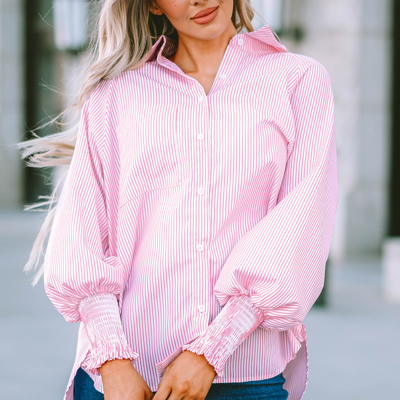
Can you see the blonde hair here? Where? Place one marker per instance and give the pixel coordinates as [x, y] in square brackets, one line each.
[126, 31]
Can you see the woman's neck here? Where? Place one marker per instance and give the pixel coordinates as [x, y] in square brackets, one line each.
[202, 57]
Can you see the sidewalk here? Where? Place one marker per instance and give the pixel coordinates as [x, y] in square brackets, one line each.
[354, 343]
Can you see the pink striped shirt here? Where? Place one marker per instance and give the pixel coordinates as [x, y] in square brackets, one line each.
[200, 222]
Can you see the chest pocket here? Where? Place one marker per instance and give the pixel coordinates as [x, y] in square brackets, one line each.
[149, 154]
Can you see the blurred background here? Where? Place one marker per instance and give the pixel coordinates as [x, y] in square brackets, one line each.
[353, 329]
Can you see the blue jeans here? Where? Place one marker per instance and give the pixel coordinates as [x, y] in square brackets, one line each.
[265, 389]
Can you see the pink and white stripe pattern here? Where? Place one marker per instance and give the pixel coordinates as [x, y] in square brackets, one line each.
[193, 221]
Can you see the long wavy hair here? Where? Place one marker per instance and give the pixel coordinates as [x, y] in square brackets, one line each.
[125, 33]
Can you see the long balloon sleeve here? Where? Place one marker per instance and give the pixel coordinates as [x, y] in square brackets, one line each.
[83, 277]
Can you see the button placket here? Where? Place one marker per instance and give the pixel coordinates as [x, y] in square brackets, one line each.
[200, 190]
[200, 173]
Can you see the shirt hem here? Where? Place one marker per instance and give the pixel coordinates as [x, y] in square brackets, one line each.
[298, 372]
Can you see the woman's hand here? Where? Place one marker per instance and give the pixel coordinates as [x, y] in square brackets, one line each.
[121, 381]
[188, 377]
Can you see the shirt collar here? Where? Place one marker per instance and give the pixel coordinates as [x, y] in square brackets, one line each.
[165, 46]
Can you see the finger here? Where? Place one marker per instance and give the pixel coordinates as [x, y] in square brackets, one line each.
[175, 395]
[162, 393]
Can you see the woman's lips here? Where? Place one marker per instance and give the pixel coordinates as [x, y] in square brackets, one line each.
[206, 18]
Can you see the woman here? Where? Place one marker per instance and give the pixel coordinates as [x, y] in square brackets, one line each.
[192, 231]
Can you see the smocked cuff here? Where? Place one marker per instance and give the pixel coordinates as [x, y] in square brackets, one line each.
[100, 316]
[236, 321]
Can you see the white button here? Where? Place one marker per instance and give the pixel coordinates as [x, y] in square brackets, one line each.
[200, 99]
[223, 76]
[240, 41]
[200, 190]
[201, 308]
[200, 136]
[199, 247]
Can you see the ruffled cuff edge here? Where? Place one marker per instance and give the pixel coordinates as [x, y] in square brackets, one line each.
[107, 352]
